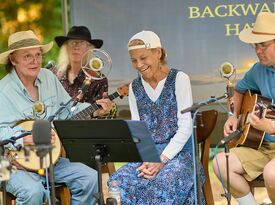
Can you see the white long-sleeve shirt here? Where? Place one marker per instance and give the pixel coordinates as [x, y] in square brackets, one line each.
[184, 100]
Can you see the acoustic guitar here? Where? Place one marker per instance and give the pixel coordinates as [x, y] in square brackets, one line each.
[251, 137]
[33, 162]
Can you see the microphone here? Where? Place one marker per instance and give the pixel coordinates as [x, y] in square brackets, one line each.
[227, 70]
[41, 133]
[96, 64]
[233, 135]
[50, 65]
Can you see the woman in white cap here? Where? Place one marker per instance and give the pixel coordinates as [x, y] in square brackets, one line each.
[246, 164]
[26, 85]
[157, 96]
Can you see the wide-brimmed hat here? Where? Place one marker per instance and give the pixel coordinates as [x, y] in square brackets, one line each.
[263, 30]
[23, 40]
[78, 33]
[149, 38]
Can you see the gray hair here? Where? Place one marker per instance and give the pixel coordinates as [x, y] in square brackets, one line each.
[63, 60]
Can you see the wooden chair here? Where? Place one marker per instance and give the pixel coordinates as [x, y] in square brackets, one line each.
[108, 168]
[258, 182]
[205, 125]
[63, 193]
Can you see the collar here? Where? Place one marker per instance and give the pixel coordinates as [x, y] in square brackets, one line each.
[18, 82]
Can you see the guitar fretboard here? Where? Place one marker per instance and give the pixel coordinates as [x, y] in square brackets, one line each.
[86, 113]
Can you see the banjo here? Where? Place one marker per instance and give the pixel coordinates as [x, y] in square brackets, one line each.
[32, 162]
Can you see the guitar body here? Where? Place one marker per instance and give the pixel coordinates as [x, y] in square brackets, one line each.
[33, 163]
[250, 137]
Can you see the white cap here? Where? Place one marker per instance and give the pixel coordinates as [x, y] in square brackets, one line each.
[150, 39]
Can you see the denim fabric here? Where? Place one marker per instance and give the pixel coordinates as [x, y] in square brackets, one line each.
[79, 178]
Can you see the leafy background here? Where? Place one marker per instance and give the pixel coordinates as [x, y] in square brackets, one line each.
[44, 17]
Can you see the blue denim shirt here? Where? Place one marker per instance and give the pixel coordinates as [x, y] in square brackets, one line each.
[16, 104]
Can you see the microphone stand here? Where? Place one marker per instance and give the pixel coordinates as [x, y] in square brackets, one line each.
[194, 109]
[52, 181]
[12, 140]
[41, 152]
[225, 142]
[75, 99]
[4, 183]
[196, 106]
[101, 152]
[62, 106]
[227, 194]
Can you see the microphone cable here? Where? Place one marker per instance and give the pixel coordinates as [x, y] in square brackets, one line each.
[47, 184]
[219, 170]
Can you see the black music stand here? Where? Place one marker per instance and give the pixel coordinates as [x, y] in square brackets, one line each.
[106, 141]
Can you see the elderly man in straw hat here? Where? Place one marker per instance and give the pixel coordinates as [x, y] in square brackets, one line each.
[246, 163]
[31, 92]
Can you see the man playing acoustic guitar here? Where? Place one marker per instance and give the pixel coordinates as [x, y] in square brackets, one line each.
[31, 92]
[246, 163]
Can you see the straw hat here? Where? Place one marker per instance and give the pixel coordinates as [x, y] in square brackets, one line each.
[263, 30]
[23, 40]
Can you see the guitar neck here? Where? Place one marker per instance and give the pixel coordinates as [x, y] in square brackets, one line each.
[86, 113]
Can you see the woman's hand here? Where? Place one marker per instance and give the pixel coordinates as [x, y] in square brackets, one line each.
[149, 170]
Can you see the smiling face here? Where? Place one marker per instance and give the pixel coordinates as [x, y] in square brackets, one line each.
[146, 61]
[27, 63]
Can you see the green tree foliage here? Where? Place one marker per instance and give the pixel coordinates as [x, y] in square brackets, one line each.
[44, 17]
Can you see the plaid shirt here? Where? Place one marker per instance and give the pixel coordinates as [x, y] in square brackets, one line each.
[95, 91]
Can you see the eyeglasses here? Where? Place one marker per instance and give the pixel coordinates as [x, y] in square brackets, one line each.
[262, 46]
[29, 58]
[80, 43]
